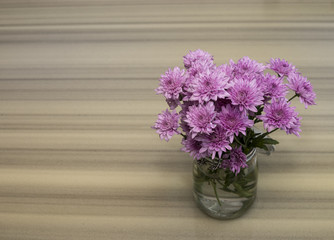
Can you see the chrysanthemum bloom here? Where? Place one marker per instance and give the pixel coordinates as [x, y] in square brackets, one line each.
[183, 115]
[216, 143]
[278, 114]
[247, 66]
[193, 147]
[228, 69]
[194, 56]
[200, 66]
[233, 121]
[246, 95]
[209, 85]
[192, 73]
[282, 67]
[200, 119]
[302, 88]
[167, 124]
[294, 127]
[235, 160]
[273, 87]
[171, 83]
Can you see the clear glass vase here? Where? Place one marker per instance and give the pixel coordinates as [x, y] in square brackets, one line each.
[222, 194]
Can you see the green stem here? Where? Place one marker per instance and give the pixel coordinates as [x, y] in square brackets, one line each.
[215, 190]
[225, 188]
[229, 190]
[237, 140]
[183, 135]
[220, 182]
[238, 189]
[257, 121]
[267, 133]
[293, 97]
[272, 131]
[209, 160]
[241, 191]
[248, 134]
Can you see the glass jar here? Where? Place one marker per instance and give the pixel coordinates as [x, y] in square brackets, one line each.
[222, 194]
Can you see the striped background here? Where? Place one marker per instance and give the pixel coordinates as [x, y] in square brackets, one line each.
[78, 159]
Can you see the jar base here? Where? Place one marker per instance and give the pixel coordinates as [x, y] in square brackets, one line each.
[230, 208]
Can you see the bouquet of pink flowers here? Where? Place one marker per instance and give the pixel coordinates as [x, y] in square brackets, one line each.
[219, 106]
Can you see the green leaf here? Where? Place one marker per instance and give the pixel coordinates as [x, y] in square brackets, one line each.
[241, 191]
[262, 142]
[263, 146]
[249, 187]
[269, 141]
[229, 179]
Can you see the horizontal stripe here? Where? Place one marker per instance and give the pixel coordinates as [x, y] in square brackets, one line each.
[78, 157]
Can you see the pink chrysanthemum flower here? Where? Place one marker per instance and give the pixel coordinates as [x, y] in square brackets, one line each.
[279, 114]
[200, 119]
[201, 66]
[193, 147]
[171, 83]
[233, 121]
[282, 67]
[216, 143]
[302, 88]
[247, 66]
[228, 69]
[294, 127]
[273, 87]
[209, 85]
[195, 56]
[183, 115]
[167, 124]
[235, 160]
[246, 94]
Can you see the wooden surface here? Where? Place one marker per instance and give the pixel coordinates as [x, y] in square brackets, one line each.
[78, 159]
